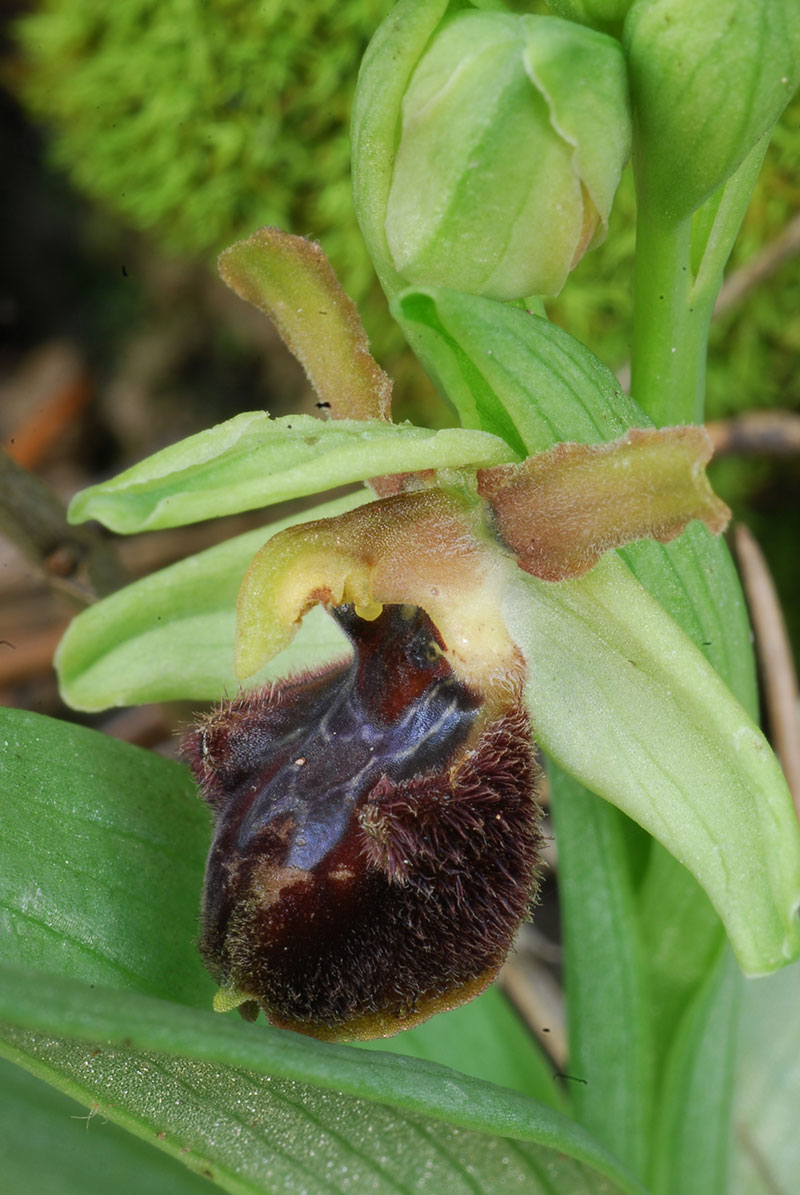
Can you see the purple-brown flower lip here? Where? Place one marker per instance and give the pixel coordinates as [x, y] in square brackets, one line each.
[376, 837]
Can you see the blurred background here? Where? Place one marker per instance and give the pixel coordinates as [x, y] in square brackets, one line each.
[141, 137]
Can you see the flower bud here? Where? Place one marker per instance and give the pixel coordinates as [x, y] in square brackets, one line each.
[514, 133]
[709, 80]
[599, 13]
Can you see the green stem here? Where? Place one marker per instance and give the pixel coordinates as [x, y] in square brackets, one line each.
[678, 273]
[670, 332]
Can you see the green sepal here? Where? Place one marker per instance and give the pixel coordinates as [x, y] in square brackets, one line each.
[622, 700]
[251, 461]
[171, 635]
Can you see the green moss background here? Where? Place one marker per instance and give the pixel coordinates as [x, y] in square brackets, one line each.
[198, 120]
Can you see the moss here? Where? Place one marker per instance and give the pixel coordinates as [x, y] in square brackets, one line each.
[196, 121]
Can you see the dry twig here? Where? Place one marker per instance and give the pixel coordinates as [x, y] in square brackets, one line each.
[761, 267]
[774, 652]
[757, 433]
[538, 999]
[78, 561]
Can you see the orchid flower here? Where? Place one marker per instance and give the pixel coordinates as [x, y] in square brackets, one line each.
[403, 648]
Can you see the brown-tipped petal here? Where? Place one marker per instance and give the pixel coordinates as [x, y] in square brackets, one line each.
[561, 510]
[424, 549]
[291, 280]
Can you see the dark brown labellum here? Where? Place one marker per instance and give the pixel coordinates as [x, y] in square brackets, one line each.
[376, 836]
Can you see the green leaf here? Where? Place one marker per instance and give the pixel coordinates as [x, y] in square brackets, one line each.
[484, 1038]
[691, 1138]
[115, 841]
[621, 699]
[101, 860]
[683, 936]
[514, 374]
[171, 635]
[254, 1102]
[608, 998]
[52, 1146]
[252, 460]
[766, 1156]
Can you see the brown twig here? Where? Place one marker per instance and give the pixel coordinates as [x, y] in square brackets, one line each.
[757, 433]
[23, 656]
[75, 560]
[57, 389]
[761, 267]
[539, 1001]
[774, 653]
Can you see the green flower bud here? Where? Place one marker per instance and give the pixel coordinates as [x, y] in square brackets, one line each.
[514, 133]
[599, 13]
[709, 80]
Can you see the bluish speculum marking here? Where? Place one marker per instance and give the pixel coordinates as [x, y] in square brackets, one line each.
[396, 711]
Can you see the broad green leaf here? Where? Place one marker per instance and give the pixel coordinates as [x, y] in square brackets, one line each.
[691, 1138]
[203, 1080]
[766, 1157]
[171, 635]
[621, 699]
[484, 1038]
[51, 1145]
[683, 935]
[608, 1027]
[101, 860]
[252, 460]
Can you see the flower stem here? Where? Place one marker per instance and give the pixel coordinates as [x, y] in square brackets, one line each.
[670, 332]
[678, 273]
